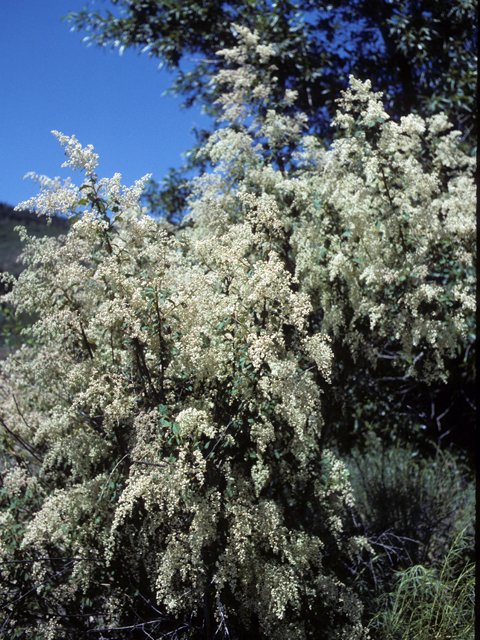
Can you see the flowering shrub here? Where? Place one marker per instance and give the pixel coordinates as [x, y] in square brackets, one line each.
[163, 474]
[172, 421]
[380, 233]
[368, 223]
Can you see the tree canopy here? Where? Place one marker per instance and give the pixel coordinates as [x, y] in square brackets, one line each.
[420, 53]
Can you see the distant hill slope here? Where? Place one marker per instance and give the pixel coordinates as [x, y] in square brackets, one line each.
[10, 250]
[10, 245]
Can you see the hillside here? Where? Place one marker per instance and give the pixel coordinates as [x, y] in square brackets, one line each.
[10, 244]
[10, 250]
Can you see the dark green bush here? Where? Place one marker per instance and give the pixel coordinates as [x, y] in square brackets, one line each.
[411, 509]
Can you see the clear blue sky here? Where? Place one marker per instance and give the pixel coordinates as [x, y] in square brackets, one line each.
[50, 80]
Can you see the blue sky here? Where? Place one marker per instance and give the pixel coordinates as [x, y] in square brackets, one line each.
[50, 80]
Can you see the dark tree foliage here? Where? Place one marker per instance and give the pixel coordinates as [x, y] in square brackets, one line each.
[169, 199]
[420, 53]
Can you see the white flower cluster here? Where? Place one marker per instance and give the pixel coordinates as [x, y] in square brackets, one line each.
[79, 158]
[55, 198]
